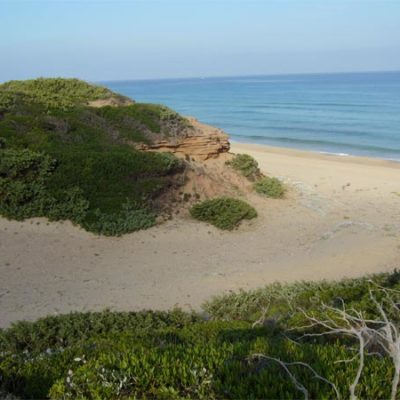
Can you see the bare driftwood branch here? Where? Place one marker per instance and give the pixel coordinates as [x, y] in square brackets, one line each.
[261, 320]
[383, 331]
[296, 383]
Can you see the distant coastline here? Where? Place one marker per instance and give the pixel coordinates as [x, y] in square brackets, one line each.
[273, 75]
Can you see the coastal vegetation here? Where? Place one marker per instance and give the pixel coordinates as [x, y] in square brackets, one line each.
[63, 159]
[51, 93]
[223, 212]
[275, 342]
[270, 187]
[73, 151]
[247, 166]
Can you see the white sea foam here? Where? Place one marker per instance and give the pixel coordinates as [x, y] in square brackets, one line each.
[334, 154]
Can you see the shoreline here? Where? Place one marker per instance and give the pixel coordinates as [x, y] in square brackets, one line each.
[322, 155]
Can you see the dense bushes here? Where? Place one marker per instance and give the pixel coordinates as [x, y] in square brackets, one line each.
[33, 185]
[23, 189]
[270, 187]
[74, 162]
[129, 219]
[224, 212]
[113, 355]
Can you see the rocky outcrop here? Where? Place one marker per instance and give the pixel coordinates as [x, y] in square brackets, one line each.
[200, 142]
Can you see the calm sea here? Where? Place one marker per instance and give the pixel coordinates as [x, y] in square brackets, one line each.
[357, 114]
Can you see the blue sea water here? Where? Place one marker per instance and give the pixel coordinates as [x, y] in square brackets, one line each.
[355, 113]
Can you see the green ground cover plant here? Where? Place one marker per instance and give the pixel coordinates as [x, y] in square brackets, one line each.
[176, 355]
[61, 159]
[224, 212]
[270, 187]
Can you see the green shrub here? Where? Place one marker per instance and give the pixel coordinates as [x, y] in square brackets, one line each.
[270, 187]
[246, 165]
[23, 192]
[25, 165]
[224, 212]
[130, 219]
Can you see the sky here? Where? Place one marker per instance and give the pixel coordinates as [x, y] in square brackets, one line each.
[148, 39]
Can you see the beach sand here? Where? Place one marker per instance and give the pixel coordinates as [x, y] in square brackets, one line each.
[341, 218]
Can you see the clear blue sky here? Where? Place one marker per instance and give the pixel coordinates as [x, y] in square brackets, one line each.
[136, 39]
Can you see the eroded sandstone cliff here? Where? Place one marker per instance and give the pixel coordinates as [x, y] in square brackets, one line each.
[199, 142]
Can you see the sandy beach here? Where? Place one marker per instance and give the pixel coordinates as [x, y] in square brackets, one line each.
[341, 218]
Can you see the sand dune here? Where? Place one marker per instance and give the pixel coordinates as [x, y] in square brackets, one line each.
[341, 218]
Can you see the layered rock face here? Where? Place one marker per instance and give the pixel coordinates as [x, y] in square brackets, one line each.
[200, 142]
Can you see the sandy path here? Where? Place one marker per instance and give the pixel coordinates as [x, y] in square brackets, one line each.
[341, 218]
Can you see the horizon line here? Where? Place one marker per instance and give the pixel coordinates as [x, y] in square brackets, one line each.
[249, 75]
[99, 81]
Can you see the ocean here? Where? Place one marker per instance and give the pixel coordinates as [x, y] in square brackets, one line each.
[346, 114]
